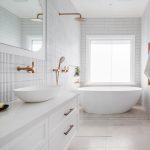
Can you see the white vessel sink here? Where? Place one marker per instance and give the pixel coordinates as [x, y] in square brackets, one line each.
[37, 94]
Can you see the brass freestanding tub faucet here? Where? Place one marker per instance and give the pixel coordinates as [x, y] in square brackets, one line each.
[27, 68]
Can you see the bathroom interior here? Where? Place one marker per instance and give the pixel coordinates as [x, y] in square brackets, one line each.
[74, 75]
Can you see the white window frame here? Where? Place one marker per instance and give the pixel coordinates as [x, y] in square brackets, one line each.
[30, 39]
[89, 38]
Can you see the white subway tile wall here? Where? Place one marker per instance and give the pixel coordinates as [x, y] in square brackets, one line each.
[63, 36]
[112, 26]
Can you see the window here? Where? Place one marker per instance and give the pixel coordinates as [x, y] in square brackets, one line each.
[36, 45]
[110, 59]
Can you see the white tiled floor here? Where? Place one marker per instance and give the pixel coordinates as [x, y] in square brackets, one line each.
[115, 132]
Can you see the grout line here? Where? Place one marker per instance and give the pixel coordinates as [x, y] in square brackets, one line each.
[93, 136]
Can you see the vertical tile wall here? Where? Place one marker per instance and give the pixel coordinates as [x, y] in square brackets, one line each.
[112, 26]
[10, 78]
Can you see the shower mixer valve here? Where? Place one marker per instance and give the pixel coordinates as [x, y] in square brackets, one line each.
[58, 70]
[65, 70]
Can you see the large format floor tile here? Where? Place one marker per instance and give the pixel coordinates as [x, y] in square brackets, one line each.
[113, 132]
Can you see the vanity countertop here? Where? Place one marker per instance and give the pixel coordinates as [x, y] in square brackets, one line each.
[21, 114]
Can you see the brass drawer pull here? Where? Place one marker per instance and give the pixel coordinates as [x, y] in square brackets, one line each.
[70, 128]
[67, 113]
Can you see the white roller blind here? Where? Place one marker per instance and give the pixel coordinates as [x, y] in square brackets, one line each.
[110, 60]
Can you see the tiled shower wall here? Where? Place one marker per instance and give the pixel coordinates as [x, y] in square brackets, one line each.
[63, 34]
[112, 26]
[12, 25]
[63, 40]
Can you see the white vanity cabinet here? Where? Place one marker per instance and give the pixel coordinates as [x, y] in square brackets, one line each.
[35, 138]
[53, 130]
[63, 126]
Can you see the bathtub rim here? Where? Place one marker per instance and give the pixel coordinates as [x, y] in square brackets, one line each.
[109, 89]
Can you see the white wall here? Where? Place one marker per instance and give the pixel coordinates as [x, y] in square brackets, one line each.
[10, 28]
[30, 28]
[63, 36]
[112, 26]
[144, 57]
[145, 41]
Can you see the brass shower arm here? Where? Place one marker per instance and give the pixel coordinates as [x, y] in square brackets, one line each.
[80, 18]
[39, 14]
[71, 14]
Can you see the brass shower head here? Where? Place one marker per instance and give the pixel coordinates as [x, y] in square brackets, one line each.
[80, 18]
[61, 60]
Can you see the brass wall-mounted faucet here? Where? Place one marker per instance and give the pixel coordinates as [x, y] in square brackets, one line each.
[27, 68]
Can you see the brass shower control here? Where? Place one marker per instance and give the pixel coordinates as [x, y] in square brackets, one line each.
[58, 70]
[65, 69]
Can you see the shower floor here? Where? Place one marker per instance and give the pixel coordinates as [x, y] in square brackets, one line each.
[128, 131]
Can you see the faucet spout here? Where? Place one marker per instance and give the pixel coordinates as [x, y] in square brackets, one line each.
[27, 68]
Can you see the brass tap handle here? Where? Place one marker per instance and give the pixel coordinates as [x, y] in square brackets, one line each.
[65, 70]
[32, 64]
[56, 70]
[32, 68]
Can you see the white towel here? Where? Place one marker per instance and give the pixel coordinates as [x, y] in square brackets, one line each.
[147, 68]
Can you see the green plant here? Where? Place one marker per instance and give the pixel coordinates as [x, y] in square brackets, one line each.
[77, 71]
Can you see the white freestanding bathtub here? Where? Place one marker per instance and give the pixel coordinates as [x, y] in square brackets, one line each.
[108, 100]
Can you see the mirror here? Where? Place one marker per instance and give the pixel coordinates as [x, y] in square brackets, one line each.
[21, 24]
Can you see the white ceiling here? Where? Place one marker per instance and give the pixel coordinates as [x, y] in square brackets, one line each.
[22, 8]
[110, 8]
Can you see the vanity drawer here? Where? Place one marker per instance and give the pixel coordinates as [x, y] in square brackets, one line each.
[32, 139]
[61, 114]
[62, 135]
